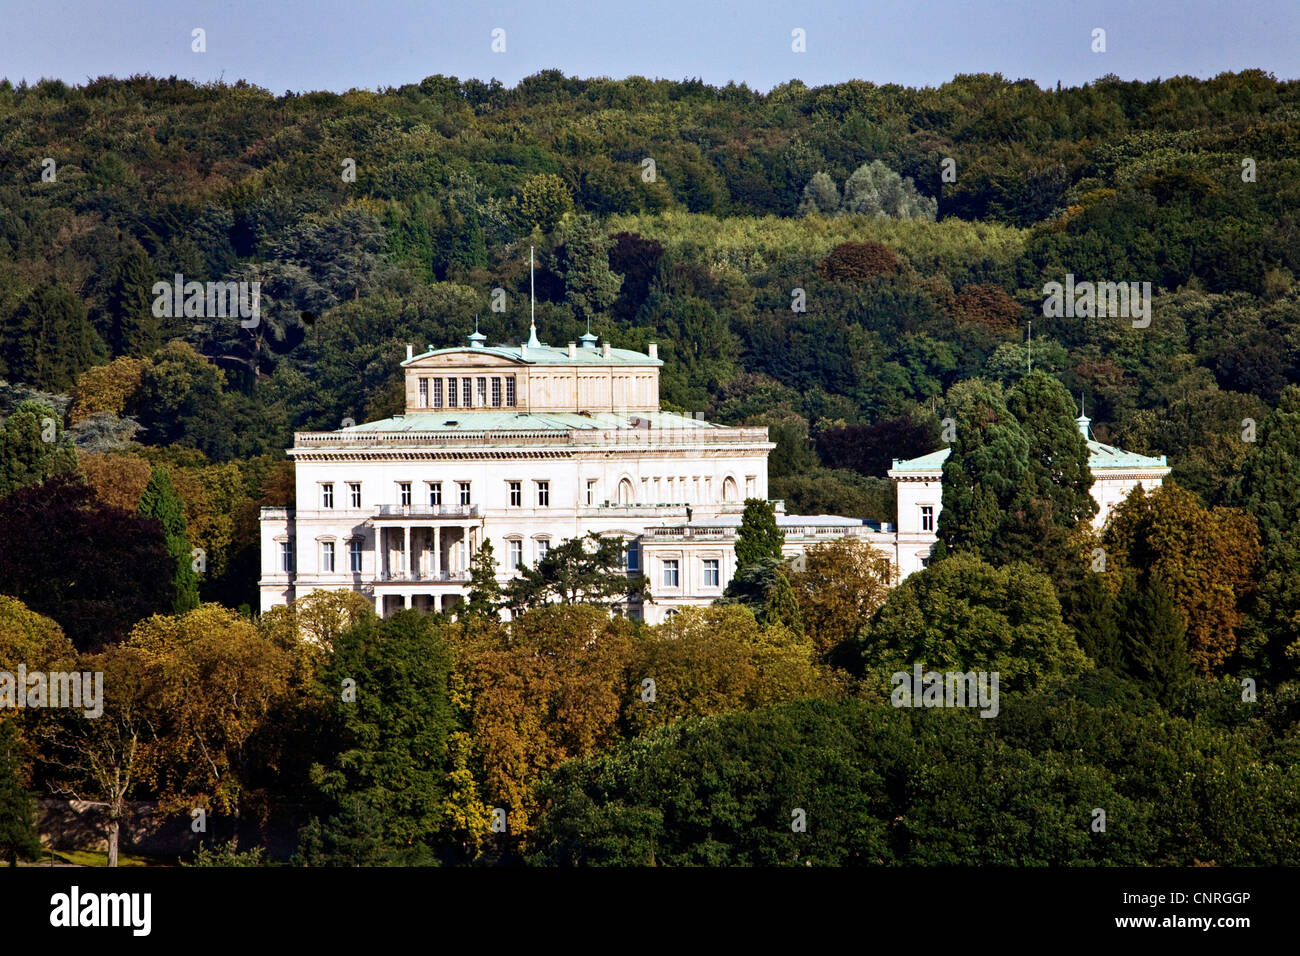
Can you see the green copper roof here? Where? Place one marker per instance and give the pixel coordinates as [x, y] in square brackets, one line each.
[1100, 457]
[451, 419]
[546, 355]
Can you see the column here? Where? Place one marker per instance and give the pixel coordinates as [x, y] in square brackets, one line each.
[437, 551]
[407, 556]
[381, 556]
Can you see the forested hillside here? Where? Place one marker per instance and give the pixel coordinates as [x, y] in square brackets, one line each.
[847, 265]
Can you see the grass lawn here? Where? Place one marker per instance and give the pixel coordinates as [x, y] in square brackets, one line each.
[95, 858]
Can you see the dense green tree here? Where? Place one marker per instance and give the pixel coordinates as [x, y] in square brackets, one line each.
[985, 471]
[881, 786]
[391, 784]
[781, 607]
[180, 400]
[19, 839]
[962, 614]
[1269, 491]
[1054, 494]
[133, 329]
[1154, 639]
[161, 503]
[759, 536]
[49, 340]
[544, 201]
[589, 285]
[484, 589]
[33, 448]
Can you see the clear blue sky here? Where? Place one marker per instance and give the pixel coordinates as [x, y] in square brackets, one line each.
[341, 44]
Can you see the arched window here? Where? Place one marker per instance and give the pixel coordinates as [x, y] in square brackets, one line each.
[625, 494]
[729, 489]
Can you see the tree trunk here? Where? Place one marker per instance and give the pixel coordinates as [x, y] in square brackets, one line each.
[114, 827]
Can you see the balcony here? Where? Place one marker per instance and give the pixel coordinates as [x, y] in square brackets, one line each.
[428, 511]
[421, 577]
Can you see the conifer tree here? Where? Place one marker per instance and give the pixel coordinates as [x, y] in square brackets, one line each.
[1155, 641]
[132, 327]
[484, 589]
[589, 285]
[161, 502]
[49, 340]
[781, 606]
[759, 536]
[1054, 494]
[984, 472]
[19, 839]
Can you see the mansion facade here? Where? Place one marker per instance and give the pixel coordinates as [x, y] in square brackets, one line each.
[527, 446]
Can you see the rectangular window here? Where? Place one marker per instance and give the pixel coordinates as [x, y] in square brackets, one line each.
[404, 493]
[751, 486]
[670, 573]
[516, 554]
[516, 494]
[543, 494]
[286, 556]
[591, 492]
[496, 391]
[543, 546]
[327, 556]
[510, 391]
[354, 556]
[711, 572]
[327, 495]
[464, 491]
[451, 393]
[424, 393]
[482, 391]
[632, 556]
[467, 392]
[437, 393]
[927, 517]
[435, 494]
[354, 489]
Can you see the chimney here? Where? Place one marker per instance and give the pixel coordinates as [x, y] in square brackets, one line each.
[604, 350]
[523, 350]
[410, 352]
[573, 350]
[654, 350]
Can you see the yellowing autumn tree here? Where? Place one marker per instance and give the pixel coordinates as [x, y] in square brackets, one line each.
[543, 689]
[217, 679]
[711, 660]
[1206, 558]
[107, 388]
[841, 585]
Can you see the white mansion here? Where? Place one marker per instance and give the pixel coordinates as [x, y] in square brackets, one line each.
[530, 445]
